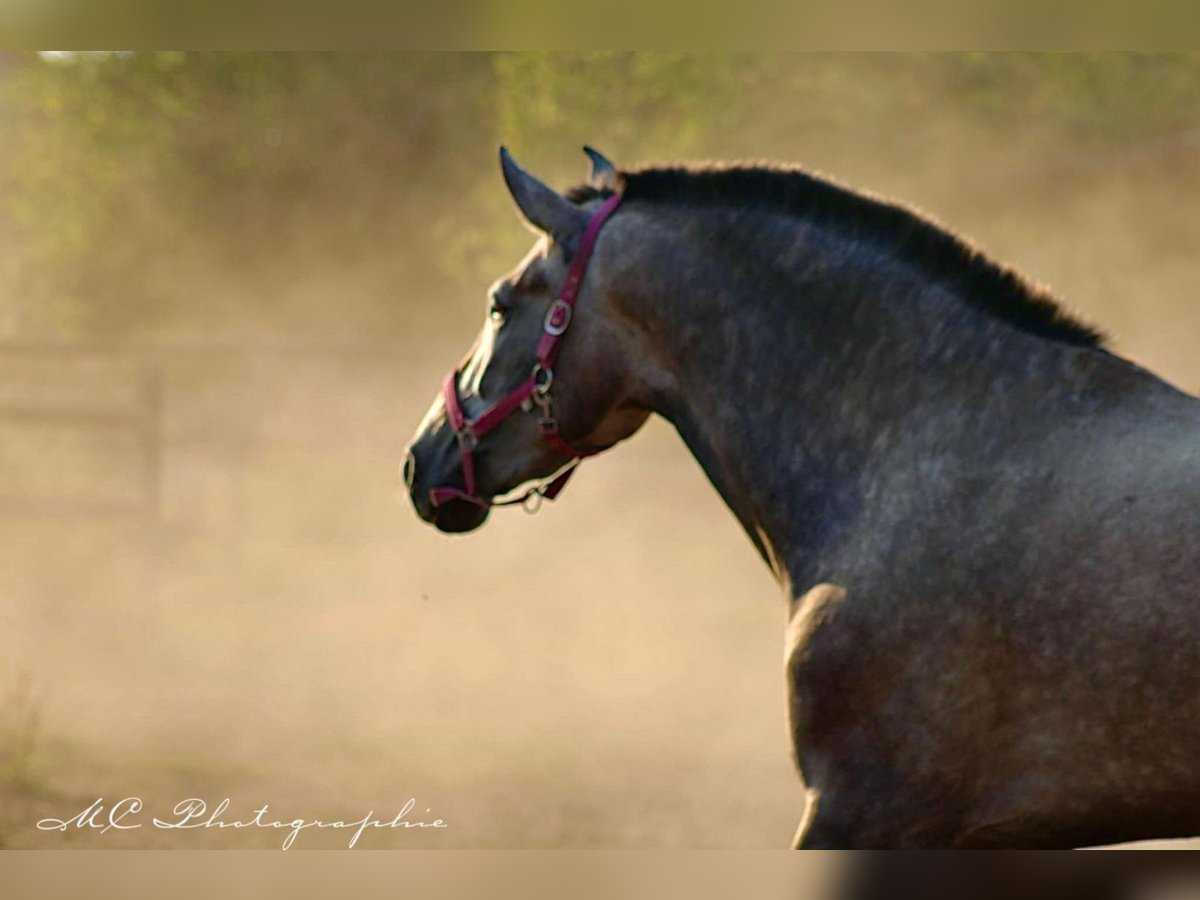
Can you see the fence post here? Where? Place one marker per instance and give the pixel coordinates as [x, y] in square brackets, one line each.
[152, 443]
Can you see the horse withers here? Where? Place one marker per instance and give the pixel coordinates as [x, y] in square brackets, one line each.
[986, 524]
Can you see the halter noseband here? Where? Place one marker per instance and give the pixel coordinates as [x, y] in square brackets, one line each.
[533, 391]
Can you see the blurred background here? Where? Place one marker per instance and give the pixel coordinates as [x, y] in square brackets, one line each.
[229, 287]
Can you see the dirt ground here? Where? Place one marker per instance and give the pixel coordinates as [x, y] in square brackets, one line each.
[597, 676]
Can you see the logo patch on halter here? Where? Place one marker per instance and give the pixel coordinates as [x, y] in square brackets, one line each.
[558, 317]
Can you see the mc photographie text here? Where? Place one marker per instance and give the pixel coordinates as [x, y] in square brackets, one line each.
[194, 814]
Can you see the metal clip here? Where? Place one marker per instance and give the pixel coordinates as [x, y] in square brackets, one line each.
[547, 422]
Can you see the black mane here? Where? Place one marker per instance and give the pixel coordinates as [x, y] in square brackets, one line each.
[994, 288]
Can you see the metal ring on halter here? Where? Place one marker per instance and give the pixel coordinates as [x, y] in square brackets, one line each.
[536, 496]
[543, 377]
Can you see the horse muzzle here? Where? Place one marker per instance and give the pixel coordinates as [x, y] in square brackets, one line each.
[435, 498]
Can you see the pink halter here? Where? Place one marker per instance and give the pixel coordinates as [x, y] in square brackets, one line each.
[533, 391]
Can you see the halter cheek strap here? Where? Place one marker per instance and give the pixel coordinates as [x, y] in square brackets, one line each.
[535, 391]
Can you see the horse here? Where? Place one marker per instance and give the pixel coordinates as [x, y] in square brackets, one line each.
[984, 521]
[1034, 876]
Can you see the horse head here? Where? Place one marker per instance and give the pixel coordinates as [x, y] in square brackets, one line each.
[529, 400]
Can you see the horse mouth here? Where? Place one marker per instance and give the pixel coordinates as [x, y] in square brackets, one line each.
[458, 517]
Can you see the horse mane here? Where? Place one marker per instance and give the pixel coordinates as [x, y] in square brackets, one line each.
[994, 288]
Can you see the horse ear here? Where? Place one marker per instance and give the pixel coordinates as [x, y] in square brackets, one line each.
[604, 173]
[543, 208]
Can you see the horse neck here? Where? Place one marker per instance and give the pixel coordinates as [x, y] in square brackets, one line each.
[798, 366]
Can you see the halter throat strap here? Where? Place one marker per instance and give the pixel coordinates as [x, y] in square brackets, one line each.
[532, 393]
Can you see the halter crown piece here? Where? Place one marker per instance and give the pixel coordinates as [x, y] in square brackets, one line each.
[532, 392]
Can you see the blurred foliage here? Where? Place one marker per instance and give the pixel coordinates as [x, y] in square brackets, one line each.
[148, 187]
[1102, 96]
[642, 101]
[334, 194]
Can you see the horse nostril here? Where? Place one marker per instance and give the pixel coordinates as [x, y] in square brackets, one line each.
[408, 470]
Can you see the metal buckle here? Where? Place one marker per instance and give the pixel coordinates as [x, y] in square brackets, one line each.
[558, 317]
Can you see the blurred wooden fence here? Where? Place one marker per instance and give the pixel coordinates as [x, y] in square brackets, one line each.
[78, 396]
[178, 433]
